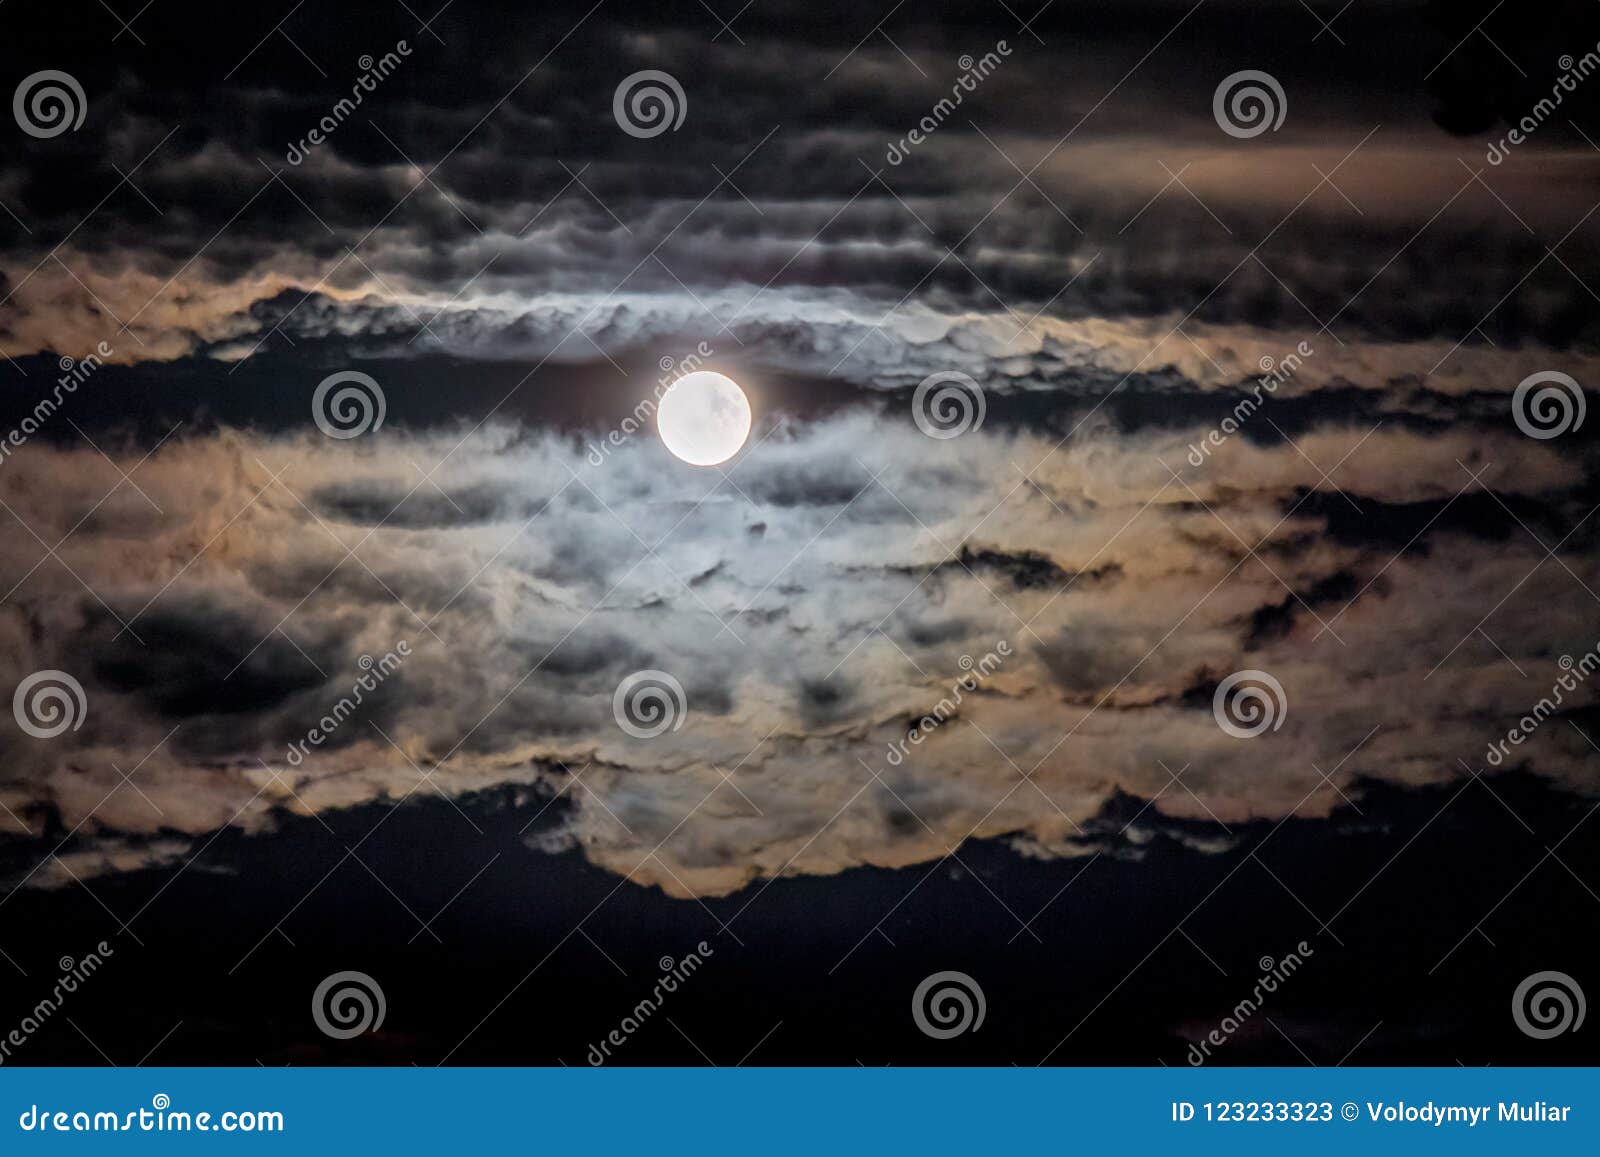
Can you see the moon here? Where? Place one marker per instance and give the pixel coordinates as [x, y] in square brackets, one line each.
[704, 418]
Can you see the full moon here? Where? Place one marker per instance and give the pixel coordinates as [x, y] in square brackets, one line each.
[704, 418]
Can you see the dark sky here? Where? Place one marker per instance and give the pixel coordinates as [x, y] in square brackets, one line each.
[1118, 371]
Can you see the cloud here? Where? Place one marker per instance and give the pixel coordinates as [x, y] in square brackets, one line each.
[1049, 196]
[215, 634]
[484, 230]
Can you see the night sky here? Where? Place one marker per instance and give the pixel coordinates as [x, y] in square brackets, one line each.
[1166, 553]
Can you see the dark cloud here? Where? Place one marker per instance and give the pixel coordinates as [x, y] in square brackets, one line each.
[502, 249]
[405, 507]
[203, 659]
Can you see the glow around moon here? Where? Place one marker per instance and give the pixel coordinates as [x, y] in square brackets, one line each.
[704, 418]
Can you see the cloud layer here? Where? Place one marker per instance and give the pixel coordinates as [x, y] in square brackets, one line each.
[814, 605]
[1081, 237]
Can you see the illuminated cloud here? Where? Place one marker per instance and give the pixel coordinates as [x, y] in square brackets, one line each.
[811, 615]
